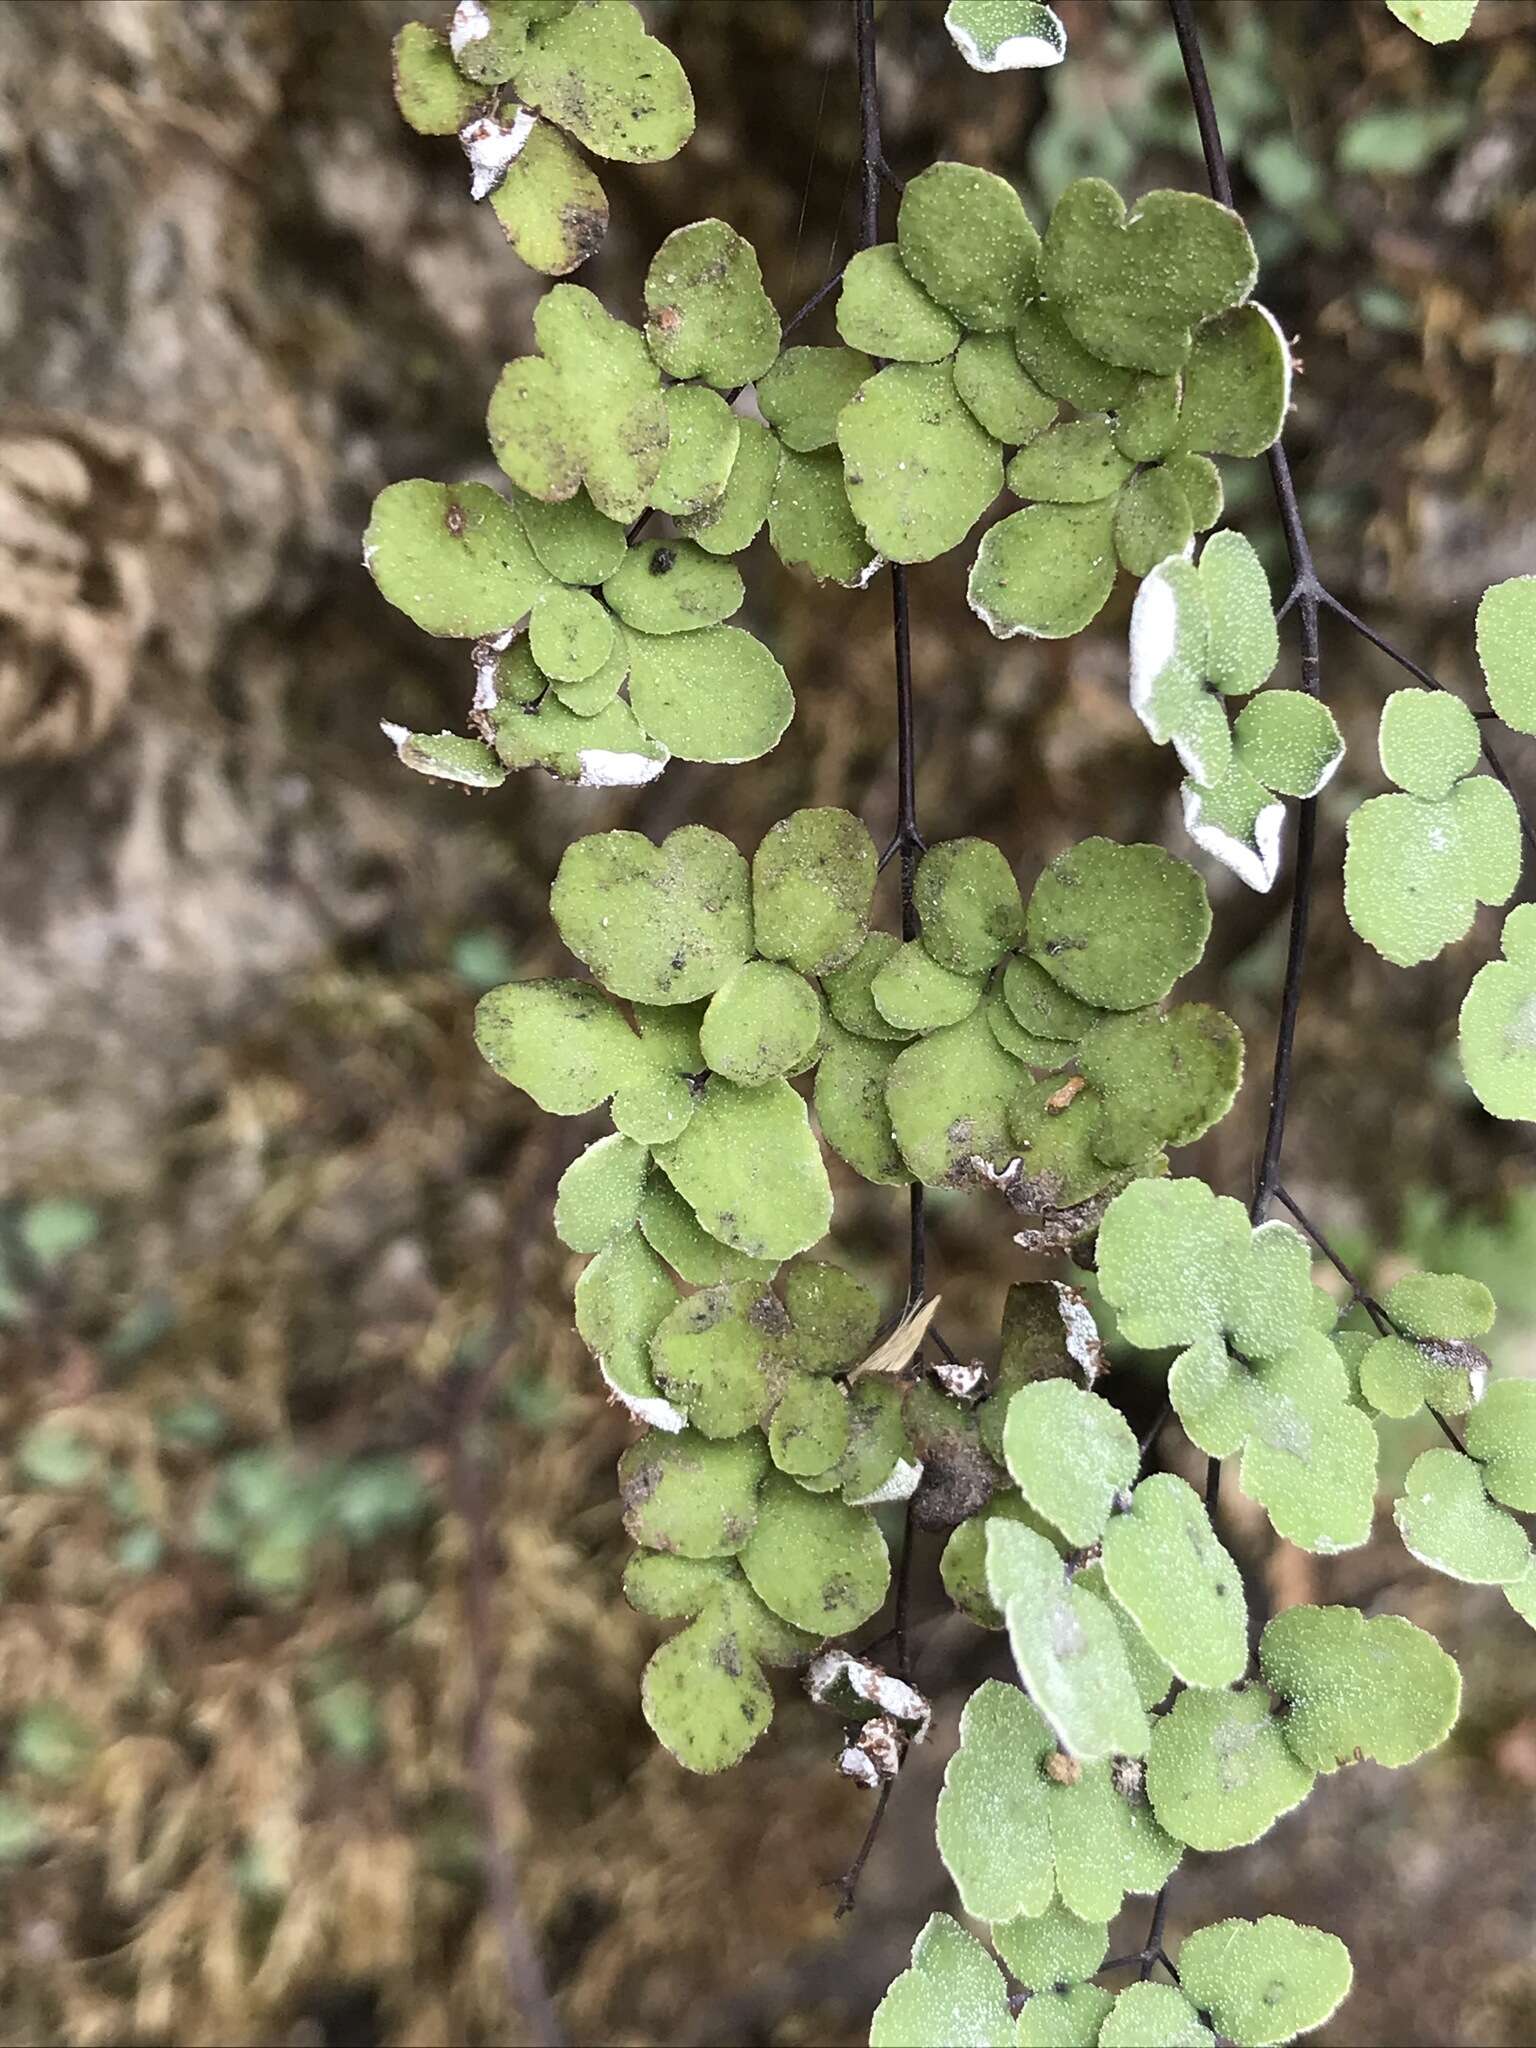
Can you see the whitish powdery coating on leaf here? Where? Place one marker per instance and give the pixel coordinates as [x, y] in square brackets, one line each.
[1006, 35]
[492, 145]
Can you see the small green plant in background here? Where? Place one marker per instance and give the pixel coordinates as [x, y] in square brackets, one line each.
[1012, 1040]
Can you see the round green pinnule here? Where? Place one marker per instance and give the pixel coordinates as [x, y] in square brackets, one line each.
[1044, 572]
[947, 1099]
[1220, 1772]
[1050, 1053]
[1289, 742]
[848, 990]
[1244, 641]
[751, 1170]
[452, 557]
[599, 1193]
[964, 235]
[994, 1830]
[570, 635]
[673, 586]
[802, 395]
[689, 1496]
[431, 92]
[1117, 926]
[1162, 1079]
[573, 540]
[551, 204]
[448, 757]
[1428, 741]
[1075, 463]
[833, 1315]
[589, 409]
[760, 1024]
[1200, 481]
[1237, 385]
[1506, 649]
[1054, 1128]
[811, 523]
[1440, 1305]
[488, 37]
[707, 314]
[1051, 1948]
[1357, 1688]
[918, 469]
[1059, 364]
[1157, 2013]
[851, 1079]
[712, 695]
[1071, 1455]
[1263, 1982]
[561, 1042]
[1168, 1569]
[654, 1108]
[1133, 287]
[953, 1991]
[1007, 35]
[675, 1233]
[1170, 669]
[621, 1299]
[1415, 870]
[1152, 521]
[884, 312]
[1447, 1521]
[719, 1355]
[1498, 1023]
[1501, 1435]
[816, 1563]
[913, 993]
[736, 517]
[813, 876]
[1147, 417]
[596, 73]
[1042, 1007]
[659, 924]
[998, 389]
[703, 435]
[808, 1429]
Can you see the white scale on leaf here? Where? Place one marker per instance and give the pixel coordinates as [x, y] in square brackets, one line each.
[492, 146]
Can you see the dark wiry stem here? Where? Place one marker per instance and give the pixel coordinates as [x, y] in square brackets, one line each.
[906, 843]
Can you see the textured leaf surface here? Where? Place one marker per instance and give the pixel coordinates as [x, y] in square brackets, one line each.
[1132, 286]
[1447, 1521]
[1414, 870]
[1153, 2016]
[703, 435]
[1498, 1024]
[919, 470]
[714, 695]
[818, 1564]
[1237, 385]
[665, 587]
[1356, 1688]
[688, 1496]
[1167, 1567]
[559, 1041]
[672, 1229]
[1220, 1773]
[707, 314]
[1066, 1647]
[1070, 1454]
[1435, 21]
[1265, 1981]
[589, 409]
[1044, 572]
[912, 992]
[851, 1079]
[452, 557]
[964, 235]
[573, 540]
[1064, 2019]
[813, 876]
[969, 905]
[736, 517]
[661, 924]
[621, 1300]
[999, 391]
[951, 1996]
[948, 1098]
[720, 1356]
[883, 311]
[993, 1825]
[600, 1192]
[1501, 1435]
[1428, 740]
[432, 94]
[811, 523]
[596, 72]
[551, 204]
[1506, 648]
[806, 389]
[761, 1024]
[1116, 926]
[1011, 35]
[751, 1170]
[1053, 1947]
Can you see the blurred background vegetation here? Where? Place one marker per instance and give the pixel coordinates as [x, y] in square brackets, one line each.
[283, 1321]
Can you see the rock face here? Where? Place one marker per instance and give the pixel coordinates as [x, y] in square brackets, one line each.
[236, 296]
